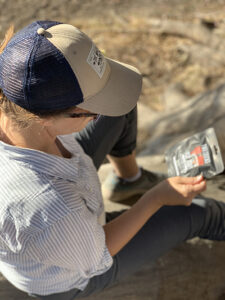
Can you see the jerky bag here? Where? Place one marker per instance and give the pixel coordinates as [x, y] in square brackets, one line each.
[198, 154]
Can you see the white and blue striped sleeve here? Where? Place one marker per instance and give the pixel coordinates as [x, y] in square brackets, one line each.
[75, 242]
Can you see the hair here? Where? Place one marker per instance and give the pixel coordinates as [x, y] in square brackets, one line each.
[20, 116]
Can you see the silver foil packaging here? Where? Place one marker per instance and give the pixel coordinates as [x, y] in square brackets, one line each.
[198, 154]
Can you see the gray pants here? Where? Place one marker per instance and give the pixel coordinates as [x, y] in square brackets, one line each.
[166, 229]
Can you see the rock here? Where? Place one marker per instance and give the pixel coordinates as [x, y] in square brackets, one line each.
[203, 55]
[197, 114]
[197, 32]
[174, 96]
[9, 292]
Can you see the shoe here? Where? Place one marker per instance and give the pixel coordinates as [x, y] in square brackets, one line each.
[117, 189]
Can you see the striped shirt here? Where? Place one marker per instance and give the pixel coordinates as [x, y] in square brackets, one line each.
[51, 240]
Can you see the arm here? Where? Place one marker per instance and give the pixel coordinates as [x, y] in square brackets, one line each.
[173, 191]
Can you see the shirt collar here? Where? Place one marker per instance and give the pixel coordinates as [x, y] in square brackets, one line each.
[41, 162]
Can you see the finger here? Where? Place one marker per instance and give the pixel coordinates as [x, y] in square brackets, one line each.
[199, 178]
[199, 187]
[190, 180]
[190, 190]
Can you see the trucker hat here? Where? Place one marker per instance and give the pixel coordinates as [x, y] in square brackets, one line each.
[49, 66]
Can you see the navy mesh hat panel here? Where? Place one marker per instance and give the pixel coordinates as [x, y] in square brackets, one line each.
[25, 33]
[12, 70]
[35, 75]
[30, 31]
[52, 79]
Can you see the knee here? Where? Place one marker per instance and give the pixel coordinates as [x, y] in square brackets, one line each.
[212, 213]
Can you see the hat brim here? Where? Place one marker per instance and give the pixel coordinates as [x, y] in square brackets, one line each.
[119, 95]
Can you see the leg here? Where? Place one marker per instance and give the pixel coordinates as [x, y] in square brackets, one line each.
[116, 136]
[126, 166]
[205, 218]
[168, 228]
[109, 135]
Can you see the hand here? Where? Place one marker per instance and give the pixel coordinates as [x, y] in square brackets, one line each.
[178, 190]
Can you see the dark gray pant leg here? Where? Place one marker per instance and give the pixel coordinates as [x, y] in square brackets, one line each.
[169, 227]
[109, 135]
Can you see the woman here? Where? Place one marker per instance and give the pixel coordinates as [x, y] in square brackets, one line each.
[55, 243]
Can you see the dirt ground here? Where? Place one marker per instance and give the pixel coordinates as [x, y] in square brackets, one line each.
[122, 29]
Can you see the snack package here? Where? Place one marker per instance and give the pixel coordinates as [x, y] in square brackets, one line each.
[198, 154]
